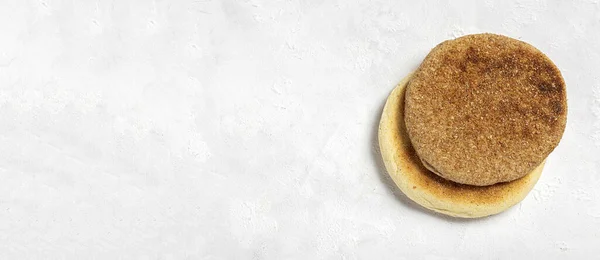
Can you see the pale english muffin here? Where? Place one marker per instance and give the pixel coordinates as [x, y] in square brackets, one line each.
[485, 109]
[430, 190]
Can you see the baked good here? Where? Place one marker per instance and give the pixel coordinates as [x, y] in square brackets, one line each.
[484, 109]
[468, 133]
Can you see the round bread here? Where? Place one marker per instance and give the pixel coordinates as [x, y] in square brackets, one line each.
[428, 189]
[484, 109]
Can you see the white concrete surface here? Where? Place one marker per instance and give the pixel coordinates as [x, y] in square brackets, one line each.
[207, 129]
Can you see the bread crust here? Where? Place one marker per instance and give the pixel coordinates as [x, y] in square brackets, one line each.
[484, 109]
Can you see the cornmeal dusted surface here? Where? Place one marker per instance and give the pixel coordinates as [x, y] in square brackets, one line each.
[485, 108]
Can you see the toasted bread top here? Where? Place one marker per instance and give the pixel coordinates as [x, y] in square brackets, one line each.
[484, 109]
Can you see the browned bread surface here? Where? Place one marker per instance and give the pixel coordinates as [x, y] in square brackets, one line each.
[484, 108]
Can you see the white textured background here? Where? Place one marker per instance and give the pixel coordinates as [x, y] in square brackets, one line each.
[207, 129]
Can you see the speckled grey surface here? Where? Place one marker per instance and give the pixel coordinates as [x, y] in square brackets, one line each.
[247, 130]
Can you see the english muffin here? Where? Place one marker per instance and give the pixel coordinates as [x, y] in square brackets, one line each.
[485, 109]
[468, 133]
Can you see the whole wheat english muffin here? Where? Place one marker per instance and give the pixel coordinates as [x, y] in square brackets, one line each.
[484, 109]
